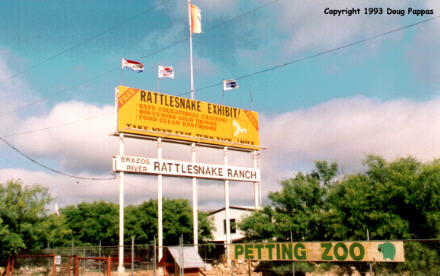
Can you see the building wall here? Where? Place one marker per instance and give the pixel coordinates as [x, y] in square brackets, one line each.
[220, 217]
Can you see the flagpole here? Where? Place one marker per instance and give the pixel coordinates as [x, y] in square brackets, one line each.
[223, 92]
[250, 94]
[190, 50]
[122, 73]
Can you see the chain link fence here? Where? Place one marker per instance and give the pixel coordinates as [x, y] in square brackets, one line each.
[421, 258]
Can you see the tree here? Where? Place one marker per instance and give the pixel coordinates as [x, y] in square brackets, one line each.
[22, 213]
[141, 222]
[91, 223]
[296, 209]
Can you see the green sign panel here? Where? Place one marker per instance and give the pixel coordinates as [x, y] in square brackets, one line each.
[356, 251]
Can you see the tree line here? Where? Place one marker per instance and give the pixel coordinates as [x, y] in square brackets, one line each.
[389, 200]
[397, 200]
[26, 225]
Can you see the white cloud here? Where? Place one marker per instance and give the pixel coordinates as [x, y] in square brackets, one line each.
[346, 130]
[342, 130]
[74, 133]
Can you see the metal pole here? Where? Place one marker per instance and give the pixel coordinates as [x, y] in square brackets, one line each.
[232, 268]
[223, 92]
[159, 202]
[256, 183]
[293, 263]
[122, 73]
[228, 223]
[190, 50]
[371, 267]
[182, 259]
[99, 254]
[195, 201]
[121, 268]
[132, 255]
[250, 95]
[155, 256]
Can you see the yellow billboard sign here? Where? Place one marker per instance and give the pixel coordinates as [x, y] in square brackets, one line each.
[344, 251]
[160, 115]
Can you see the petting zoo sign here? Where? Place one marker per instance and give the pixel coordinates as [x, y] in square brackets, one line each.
[359, 251]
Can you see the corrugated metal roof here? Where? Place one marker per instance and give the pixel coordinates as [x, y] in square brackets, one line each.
[191, 257]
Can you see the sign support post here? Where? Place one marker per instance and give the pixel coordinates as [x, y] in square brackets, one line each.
[159, 202]
[256, 183]
[228, 223]
[195, 201]
[121, 268]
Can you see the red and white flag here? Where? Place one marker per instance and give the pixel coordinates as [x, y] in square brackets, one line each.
[196, 19]
[132, 65]
[165, 72]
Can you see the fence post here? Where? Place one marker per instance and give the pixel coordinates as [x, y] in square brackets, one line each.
[109, 266]
[132, 255]
[7, 265]
[155, 258]
[99, 252]
[54, 266]
[232, 268]
[75, 266]
[12, 265]
[68, 266]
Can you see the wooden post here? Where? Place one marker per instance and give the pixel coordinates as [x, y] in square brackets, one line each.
[68, 265]
[12, 265]
[54, 266]
[7, 265]
[109, 265]
[75, 266]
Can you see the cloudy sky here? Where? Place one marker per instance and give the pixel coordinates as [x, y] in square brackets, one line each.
[326, 87]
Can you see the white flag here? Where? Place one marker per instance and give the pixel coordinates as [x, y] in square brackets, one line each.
[230, 84]
[165, 72]
[56, 210]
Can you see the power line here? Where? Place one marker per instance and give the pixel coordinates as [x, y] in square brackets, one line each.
[55, 126]
[117, 68]
[270, 68]
[51, 169]
[131, 18]
[320, 53]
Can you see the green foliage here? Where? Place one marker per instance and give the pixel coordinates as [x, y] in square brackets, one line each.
[396, 200]
[141, 222]
[92, 222]
[296, 209]
[22, 213]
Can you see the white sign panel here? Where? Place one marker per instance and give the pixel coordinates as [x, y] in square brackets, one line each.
[144, 165]
[57, 260]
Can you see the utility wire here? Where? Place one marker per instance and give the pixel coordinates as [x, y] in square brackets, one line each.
[58, 125]
[320, 53]
[51, 169]
[131, 18]
[276, 67]
[139, 58]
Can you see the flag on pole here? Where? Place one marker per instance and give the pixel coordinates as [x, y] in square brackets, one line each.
[56, 210]
[132, 65]
[165, 72]
[196, 19]
[230, 84]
